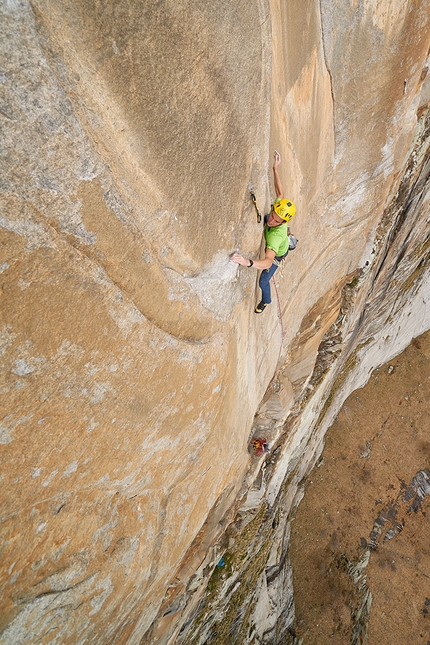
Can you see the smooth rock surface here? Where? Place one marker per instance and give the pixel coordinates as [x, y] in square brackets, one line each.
[132, 362]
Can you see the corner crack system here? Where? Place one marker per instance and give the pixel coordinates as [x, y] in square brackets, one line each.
[324, 50]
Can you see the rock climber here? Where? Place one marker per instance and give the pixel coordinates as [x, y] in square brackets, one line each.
[276, 237]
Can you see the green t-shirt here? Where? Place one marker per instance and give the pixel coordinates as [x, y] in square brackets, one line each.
[277, 238]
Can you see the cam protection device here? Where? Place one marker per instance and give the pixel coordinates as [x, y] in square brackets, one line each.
[285, 209]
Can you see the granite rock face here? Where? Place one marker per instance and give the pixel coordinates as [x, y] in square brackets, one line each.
[134, 372]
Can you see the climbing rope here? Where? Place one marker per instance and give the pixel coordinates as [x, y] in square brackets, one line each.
[282, 329]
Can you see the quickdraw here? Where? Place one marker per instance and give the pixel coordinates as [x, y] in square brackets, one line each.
[256, 207]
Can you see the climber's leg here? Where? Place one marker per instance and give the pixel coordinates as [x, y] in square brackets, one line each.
[264, 283]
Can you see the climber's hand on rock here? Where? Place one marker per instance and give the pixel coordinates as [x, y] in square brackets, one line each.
[277, 157]
[239, 259]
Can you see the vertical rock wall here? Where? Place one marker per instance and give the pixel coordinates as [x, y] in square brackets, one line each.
[131, 133]
[368, 221]
[132, 362]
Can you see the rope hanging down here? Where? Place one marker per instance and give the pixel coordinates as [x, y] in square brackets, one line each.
[282, 329]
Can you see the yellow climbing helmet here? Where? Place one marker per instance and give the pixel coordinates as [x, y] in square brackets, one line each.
[285, 209]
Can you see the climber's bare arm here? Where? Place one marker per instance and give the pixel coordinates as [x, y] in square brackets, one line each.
[266, 263]
[278, 186]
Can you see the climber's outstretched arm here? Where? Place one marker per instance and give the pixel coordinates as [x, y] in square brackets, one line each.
[278, 186]
[266, 263]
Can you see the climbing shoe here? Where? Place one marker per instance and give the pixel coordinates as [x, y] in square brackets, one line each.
[260, 307]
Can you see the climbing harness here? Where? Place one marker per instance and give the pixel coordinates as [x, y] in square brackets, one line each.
[256, 207]
[280, 262]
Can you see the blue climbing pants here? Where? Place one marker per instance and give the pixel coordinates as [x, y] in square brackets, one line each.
[264, 283]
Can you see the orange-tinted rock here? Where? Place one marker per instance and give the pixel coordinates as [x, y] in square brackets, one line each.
[132, 362]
